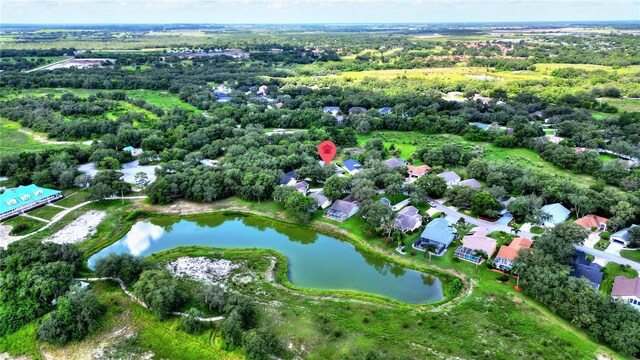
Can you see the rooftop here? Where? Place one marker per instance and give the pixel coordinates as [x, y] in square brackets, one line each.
[16, 198]
[558, 213]
[418, 170]
[352, 164]
[590, 221]
[511, 251]
[395, 162]
[449, 176]
[343, 206]
[440, 231]
[472, 183]
[626, 287]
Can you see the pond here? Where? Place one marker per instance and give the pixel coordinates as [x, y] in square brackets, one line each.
[315, 261]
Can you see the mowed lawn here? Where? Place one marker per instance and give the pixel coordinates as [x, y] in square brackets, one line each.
[46, 212]
[12, 140]
[611, 271]
[631, 254]
[410, 142]
[162, 99]
[626, 104]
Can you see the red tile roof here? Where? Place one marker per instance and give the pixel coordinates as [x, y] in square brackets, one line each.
[510, 252]
[418, 170]
[590, 221]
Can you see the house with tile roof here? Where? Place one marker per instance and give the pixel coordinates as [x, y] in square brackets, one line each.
[438, 232]
[478, 240]
[507, 253]
[416, 172]
[627, 290]
[557, 213]
[593, 222]
[24, 198]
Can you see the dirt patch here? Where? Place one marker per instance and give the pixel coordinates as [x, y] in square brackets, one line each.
[204, 270]
[80, 229]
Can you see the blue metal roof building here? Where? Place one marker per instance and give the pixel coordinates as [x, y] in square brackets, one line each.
[352, 165]
[385, 110]
[438, 232]
[24, 198]
[557, 212]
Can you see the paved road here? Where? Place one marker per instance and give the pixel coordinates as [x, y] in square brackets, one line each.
[609, 257]
[493, 227]
[471, 220]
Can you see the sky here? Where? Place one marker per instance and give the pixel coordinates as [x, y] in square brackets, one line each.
[311, 11]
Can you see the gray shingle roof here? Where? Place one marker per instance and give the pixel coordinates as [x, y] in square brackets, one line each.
[472, 183]
[395, 162]
[343, 206]
[626, 287]
[449, 176]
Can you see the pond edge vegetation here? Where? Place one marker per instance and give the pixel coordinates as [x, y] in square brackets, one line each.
[455, 286]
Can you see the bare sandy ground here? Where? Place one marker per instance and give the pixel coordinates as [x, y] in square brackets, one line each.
[80, 229]
[202, 269]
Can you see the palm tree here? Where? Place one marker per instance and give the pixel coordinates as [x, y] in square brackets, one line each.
[516, 231]
[481, 255]
[430, 248]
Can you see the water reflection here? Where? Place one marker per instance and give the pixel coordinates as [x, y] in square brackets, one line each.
[314, 260]
[139, 238]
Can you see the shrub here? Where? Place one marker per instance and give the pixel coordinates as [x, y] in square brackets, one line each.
[76, 316]
[160, 291]
[261, 344]
[190, 323]
[123, 266]
[605, 235]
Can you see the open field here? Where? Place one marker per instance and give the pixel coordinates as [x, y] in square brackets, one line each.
[409, 142]
[12, 140]
[162, 99]
[625, 104]
[45, 212]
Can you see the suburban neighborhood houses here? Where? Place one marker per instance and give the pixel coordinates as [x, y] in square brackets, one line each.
[357, 180]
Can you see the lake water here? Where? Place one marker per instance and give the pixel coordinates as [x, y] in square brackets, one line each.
[315, 261]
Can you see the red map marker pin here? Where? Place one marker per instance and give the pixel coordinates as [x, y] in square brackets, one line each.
[327, 151]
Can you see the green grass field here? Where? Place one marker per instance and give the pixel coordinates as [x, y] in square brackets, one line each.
[409, 142]
[631, 254]
[45, 212]
[12, 140]
[623, 104]
[31, 225]
[611, 271]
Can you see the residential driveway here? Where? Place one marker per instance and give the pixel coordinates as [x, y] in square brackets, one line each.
[609, 257]
[614, 248]
[592, 240]
[453, 214]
